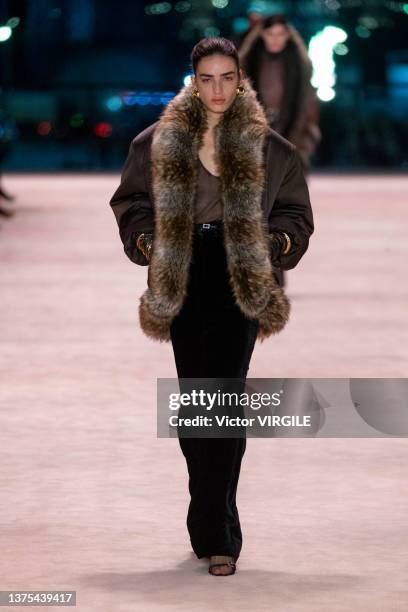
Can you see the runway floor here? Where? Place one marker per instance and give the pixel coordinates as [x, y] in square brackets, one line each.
[92, 501]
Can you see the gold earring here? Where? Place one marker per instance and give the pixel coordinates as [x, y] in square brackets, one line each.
[240, 90]
[195, 93]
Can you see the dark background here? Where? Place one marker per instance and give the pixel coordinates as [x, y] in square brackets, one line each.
[80, 78]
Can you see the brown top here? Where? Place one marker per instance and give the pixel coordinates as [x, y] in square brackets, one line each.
[285, 182]
[208, 205]
[270, 80]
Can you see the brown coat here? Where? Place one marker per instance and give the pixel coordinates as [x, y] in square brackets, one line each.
[262, 189]
[302, 127]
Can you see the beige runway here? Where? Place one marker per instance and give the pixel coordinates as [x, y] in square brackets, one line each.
[92, 501]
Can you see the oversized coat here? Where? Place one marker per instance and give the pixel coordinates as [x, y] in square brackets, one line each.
[303, 131]
[262, 189]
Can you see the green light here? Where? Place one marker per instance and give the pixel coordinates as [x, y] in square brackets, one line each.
[405, 8]
[182, 7]
[363, 32]
[76, 120]
[158, 9]
[340, 49]
[13, 22]
[211, 31]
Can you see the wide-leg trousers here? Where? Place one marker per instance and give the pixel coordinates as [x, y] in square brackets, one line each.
[212, 338]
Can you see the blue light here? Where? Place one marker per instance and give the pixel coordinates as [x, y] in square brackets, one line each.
[129, 99]
[156, 98]
[167, 96]
[144, 98]
[240, 24]
[114, 103]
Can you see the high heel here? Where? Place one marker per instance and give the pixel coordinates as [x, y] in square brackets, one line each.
[230, 564]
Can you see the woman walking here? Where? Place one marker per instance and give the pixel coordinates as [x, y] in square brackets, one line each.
[210, 198]
[275, 59]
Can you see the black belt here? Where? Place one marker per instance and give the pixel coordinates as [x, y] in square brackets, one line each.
[212, 226]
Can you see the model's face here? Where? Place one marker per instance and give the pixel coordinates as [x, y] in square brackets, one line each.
[217, 79]
[275, 38]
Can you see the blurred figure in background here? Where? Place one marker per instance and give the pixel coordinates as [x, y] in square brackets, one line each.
[275, 58]
[7, 135]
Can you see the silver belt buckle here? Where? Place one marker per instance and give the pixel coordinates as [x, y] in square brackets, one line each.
[206, 225]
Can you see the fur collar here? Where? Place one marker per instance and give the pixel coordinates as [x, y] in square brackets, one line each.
[239, 154]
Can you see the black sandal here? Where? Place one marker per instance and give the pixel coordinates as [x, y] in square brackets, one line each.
[230, 563]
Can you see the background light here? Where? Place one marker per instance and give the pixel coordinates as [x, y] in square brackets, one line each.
[13, 22]
[145, 98]
[240, 24]
[321, 47]
[114, 103]
[340, 49]
[326, 93]
[103, 130]
[211, 31]
[363, 32]
[167, 96]
[44, 128]
[187, 79]
[158, 9]
[264, 8]
[5, 33]
[76, 120]
[182, 7]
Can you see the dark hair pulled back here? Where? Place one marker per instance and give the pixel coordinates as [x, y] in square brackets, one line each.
[277, 19]
[213, 45]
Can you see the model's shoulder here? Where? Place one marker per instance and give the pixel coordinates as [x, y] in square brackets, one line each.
[279, 143]
[144, 137]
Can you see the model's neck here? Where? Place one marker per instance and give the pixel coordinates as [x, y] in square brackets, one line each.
[213, 119]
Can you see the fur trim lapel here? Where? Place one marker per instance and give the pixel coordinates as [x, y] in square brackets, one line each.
[239, 154]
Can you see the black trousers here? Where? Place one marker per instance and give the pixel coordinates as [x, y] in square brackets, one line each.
[212, 338]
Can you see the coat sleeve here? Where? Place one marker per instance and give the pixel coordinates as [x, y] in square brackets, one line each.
[292, 212]
[306, 135]
[131, 203]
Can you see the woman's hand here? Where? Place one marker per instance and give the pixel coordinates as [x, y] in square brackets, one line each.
[280, 243]
[144, 243]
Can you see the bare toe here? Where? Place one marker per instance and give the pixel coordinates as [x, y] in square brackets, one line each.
[221, 565]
